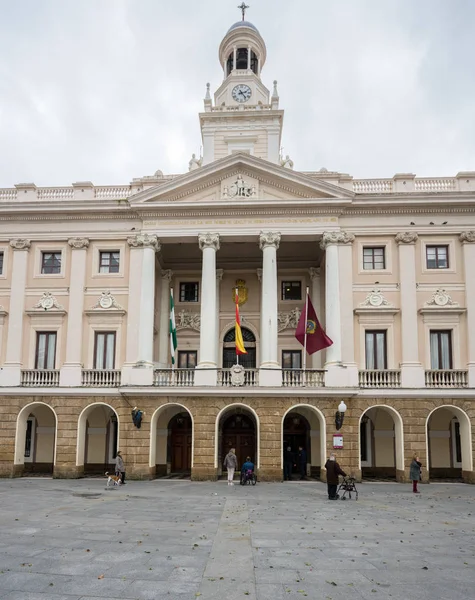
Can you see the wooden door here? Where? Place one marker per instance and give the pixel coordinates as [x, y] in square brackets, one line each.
[239, 432]
[180, 443]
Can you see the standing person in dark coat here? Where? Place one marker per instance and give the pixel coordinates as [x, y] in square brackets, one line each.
[302, 463]
[333, 470]
[288, 463]
[415, 473]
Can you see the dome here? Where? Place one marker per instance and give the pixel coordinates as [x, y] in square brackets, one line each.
[242, 24]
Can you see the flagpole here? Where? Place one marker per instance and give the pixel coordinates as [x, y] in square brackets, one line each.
[305, 339]
[173, 300]
[236, 298]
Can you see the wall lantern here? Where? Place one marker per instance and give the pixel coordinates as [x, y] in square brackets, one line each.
[340, 415]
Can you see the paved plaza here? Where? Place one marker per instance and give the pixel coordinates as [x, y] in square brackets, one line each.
[73, 540]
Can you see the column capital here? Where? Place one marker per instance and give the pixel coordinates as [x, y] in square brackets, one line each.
[259, 274]
[78, 243]
[167, 275]
[219, 274]
[406, 237]
[269, 238]
[208, 240]
[314, 273]
[467, 237]
[20, 244]
[335, 238]
[144, 240]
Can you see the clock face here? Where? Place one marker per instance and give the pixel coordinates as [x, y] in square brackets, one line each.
[242, 93]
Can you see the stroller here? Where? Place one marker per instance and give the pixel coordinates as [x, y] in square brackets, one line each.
[347, 486]
[248, 476]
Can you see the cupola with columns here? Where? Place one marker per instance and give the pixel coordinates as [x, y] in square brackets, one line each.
[244, 117]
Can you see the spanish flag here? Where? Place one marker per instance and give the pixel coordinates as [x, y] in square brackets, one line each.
[238, 333]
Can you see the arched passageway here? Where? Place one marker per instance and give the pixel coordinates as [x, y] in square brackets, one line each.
[35, 443]
[449, 443]
[238, 428]
[304, 426]
[98, 439]
[381, 444]
[171, 441]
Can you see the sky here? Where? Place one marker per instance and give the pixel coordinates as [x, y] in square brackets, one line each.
[109, 90]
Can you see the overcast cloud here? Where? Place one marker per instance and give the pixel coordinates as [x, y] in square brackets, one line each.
[108, 90]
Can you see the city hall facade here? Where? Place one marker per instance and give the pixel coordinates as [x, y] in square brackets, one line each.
[85, 279]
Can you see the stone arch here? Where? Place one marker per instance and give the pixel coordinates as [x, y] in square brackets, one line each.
[465, 438]
[224, 413]
[47, 451]
[245, 325]
[318, 415]
[82, 430]
[167, 412]
[398, 438]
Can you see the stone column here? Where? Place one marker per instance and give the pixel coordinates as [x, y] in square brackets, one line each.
[270, 372]
[10, 374]
[219, 278]
[164, 356]
[345, 270]
[412, 372]
[71, 371]
[337, 374]
[314, 273]
[468, 243]
[141, 313]
[206, 370]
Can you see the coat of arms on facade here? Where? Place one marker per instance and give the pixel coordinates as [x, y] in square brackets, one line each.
[242, 291]
[239, 189]
[47, 302]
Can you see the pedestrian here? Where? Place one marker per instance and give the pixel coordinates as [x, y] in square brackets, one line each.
[288, 463]
[119, 467]
[230, 462]
[333, 470]
[415, 473]
[302, 463]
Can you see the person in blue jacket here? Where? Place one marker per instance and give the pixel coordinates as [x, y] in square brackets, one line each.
[247, 469]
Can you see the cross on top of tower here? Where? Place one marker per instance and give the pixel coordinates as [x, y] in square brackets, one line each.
[243, 7]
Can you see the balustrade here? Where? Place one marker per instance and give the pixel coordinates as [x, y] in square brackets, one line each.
[100, 378]
[55, 193]
[112, 192]
[301, 378]
[40, 378]
[8, 194]
[380, 379]
[174, 377]
[373, 186]
[446, 379]
[435, 185]
[251, 377]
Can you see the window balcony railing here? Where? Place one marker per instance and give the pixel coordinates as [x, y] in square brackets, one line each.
[446, 379]
[301, 378]
[380, 378]
[173, 377]
[100, 378]
[225, 378]
[40, 378]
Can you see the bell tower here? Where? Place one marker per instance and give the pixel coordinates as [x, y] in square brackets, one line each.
[244, 116]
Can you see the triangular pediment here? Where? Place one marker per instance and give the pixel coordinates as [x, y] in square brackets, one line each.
[239, 177]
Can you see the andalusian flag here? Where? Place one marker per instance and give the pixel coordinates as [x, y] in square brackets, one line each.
[238, 333]
[173, 342]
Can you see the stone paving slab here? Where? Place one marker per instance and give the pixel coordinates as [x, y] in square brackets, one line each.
[73, 540]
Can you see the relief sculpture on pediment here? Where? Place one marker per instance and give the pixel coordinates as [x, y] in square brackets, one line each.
[239, 188]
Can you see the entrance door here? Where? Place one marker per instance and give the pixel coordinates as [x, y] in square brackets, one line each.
[239, 432]
[296, 433]
[180, 444]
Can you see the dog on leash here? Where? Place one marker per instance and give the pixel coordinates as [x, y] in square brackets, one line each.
[113, 479]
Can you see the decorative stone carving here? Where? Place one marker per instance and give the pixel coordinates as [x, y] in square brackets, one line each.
[208, 240]
[240, 189]
[167, 275]
[259, 274]
[336, 237]
[237, 375]
[242, 292]
[288, 320]
[287, 162]
[144, 240]
[467, 237]
[314, 273]
[107, 301]
[408, 237]
[20, 244]
[441, 298]
[268, 238]
[375, 299]
[219, 274]
[78, 243]
[187, 320]
[47, 302]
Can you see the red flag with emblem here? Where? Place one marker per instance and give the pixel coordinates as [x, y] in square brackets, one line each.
[309, 332]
